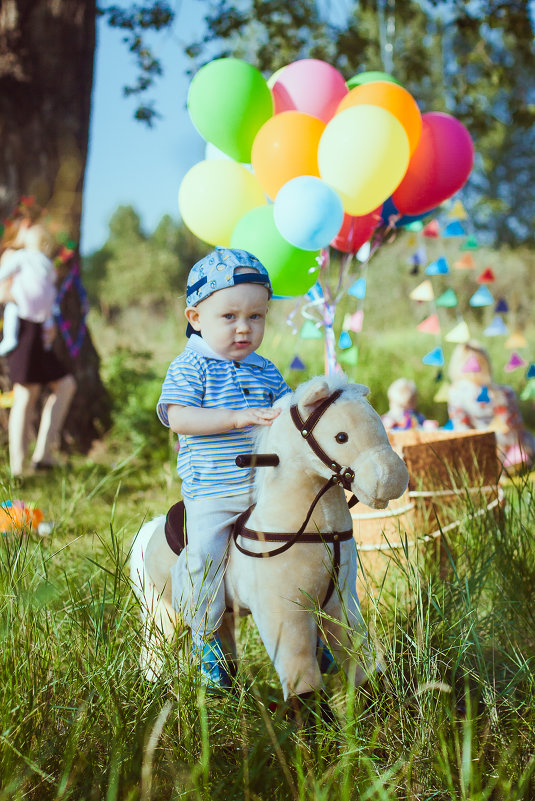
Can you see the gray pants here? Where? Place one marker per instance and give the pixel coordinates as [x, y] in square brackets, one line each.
[198, 592]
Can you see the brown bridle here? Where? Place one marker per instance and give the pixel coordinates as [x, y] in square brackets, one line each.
[341, 475]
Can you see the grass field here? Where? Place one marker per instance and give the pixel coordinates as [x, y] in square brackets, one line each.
[454, 718]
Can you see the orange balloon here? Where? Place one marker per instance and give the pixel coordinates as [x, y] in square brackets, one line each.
[393, 98]
[286, 146]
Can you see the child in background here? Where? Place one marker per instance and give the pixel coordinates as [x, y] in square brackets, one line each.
[27, 278]
[476, 402]
[403, 402]
[213, 394]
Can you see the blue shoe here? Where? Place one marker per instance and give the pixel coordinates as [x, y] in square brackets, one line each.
[326, 660]
[212, 664]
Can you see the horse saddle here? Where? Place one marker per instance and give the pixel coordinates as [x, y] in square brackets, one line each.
[175, 527]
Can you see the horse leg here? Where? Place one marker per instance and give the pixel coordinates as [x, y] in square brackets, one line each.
[289, 634]
[153, 592]
[345, 628]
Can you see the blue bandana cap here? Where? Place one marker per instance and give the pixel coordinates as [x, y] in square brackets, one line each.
[216, 271]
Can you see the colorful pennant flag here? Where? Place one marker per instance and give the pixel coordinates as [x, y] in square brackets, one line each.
[460, 333]
[531, 371]
[454, 229]
[430, 325]
[458, 210]
[353, 322]
[438, 267]
[432, 229]
[528, 393]
[442, 394]
[423, 291]
[470, 244]
[496, 328]
[435, 357]
[344, 340]
[419, 256]
[482, 297]
[297, 364]
[501, 306]
[415, 225]
[448, 299]
[350, 356]
[471, 365]
[516, 340]
[358, 289]
[466, 262]
[310, 330]
[514, 362]
[486, 277]
[363, 253]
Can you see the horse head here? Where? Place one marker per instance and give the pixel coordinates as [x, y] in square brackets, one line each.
[349, 436]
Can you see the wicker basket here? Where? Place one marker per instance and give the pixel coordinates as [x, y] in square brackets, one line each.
[452, 475]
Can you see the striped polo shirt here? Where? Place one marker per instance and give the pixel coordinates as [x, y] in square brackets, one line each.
[200, 377]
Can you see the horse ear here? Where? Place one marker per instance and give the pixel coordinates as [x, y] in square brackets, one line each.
[314, 395]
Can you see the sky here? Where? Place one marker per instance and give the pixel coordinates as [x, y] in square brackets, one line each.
[130, 163]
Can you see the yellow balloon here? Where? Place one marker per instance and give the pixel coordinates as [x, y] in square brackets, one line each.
[363, 154]
[214, 195]
[272, 80]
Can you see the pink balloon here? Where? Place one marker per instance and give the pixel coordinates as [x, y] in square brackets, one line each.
[439, 166]
[309, 85]
[355, 231]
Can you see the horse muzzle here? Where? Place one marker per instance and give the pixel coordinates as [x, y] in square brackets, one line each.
[380, 475]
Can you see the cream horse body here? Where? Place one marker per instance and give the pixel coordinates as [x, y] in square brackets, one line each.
[284, 593]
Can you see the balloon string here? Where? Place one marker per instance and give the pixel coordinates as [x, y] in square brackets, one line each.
[387, 30]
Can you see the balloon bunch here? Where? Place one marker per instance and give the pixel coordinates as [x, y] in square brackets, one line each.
[306, 160]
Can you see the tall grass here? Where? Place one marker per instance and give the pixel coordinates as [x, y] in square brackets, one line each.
[453, 717]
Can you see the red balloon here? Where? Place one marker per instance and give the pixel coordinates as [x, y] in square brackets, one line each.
[355, 231]
[439, 166]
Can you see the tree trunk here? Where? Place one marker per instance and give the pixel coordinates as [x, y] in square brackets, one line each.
[46, 73]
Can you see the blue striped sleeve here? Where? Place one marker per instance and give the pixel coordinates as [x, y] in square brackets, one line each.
[183, 385]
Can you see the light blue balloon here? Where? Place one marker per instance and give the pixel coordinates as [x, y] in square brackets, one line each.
[308, 213]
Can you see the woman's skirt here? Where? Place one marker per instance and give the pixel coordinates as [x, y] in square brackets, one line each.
[29, 362]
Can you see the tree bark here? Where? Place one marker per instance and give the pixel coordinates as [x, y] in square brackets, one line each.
[46, 74]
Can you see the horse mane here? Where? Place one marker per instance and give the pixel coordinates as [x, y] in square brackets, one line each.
[262, 435]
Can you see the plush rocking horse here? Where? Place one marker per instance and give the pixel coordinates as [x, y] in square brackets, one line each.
[292, 556]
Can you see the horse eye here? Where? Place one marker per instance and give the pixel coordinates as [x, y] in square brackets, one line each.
[341, 437]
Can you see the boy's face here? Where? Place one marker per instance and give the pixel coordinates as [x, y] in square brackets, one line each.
[232, 320]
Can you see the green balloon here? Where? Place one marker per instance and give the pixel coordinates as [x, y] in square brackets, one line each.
[229, 101]
[368, 77]
[287, 265]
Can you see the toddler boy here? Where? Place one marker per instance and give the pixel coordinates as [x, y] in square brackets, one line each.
[214, 392]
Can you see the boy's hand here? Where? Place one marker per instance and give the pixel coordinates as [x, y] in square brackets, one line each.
[254, 416]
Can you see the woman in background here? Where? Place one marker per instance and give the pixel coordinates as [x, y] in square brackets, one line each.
[27, 286]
